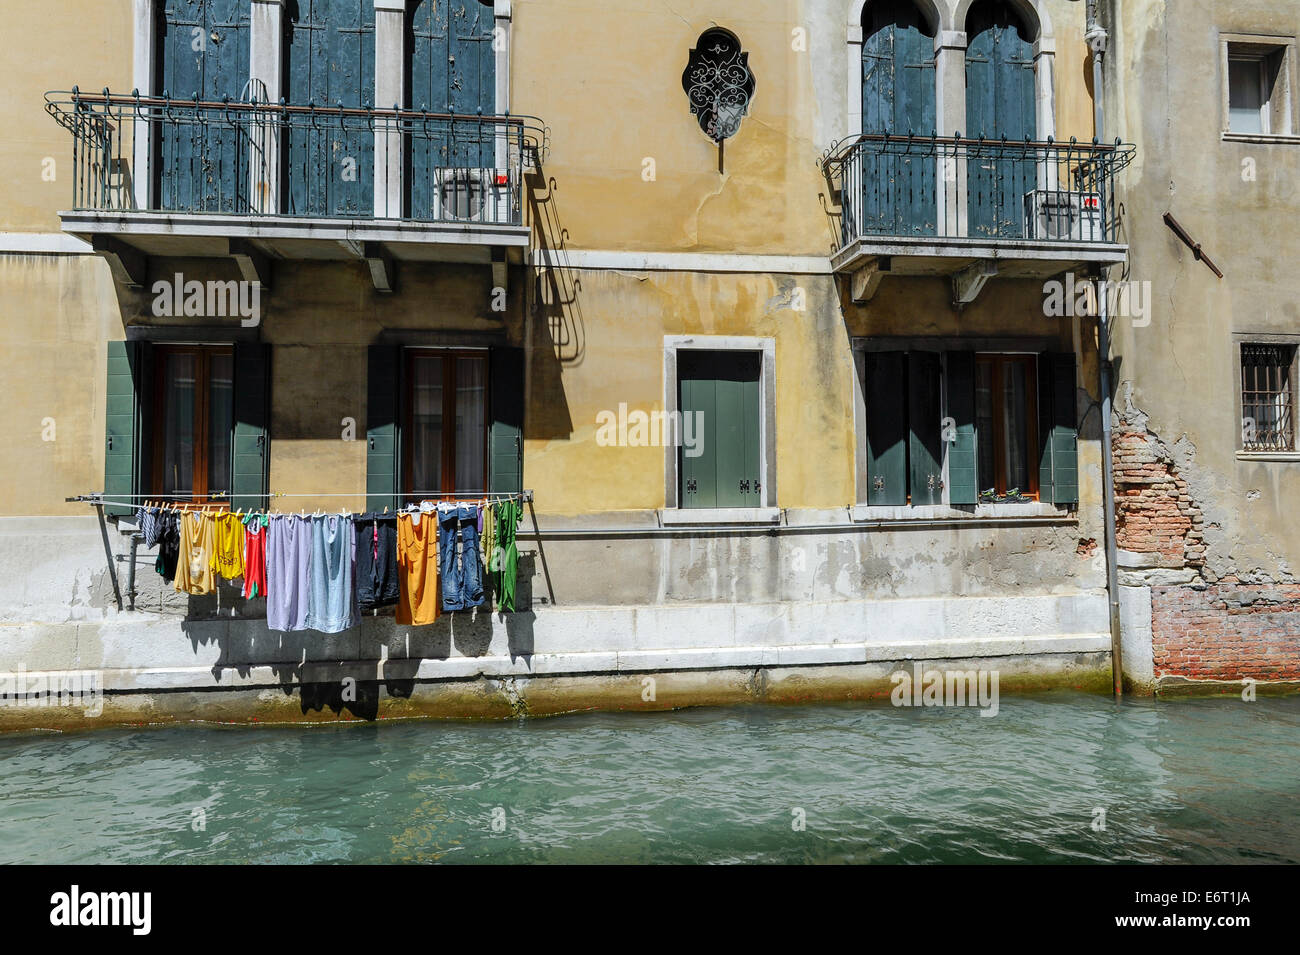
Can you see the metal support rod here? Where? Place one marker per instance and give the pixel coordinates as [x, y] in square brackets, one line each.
[537, 536]
[130, 573]
[108, 552]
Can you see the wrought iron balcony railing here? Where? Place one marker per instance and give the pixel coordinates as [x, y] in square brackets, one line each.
[259, 159]
[999, 191]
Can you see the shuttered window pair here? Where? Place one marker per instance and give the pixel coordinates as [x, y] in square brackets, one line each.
[400, 383]
[137, 404]
[187, 419]
[959, 427]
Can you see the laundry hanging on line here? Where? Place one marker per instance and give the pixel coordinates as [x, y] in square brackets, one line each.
[319, 571]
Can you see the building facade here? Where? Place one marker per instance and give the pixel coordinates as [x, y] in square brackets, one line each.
[1205, 452]
[766, 310]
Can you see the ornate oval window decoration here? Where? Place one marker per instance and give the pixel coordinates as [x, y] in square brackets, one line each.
[718, 83]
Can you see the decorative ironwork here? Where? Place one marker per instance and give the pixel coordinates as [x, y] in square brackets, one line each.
[977, 188]
[225, 157]
[718, 83]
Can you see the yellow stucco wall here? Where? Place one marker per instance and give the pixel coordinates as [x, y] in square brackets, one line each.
[606, 79]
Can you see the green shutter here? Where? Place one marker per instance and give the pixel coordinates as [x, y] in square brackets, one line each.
[699, 474]
[122, 429]
[752, 494]
[1058, 433]
[730, 437]
[506, 437]
[962, 462]
[251, 443]
[883, 388]
[723, 388]
[924, 449]
[383, 364]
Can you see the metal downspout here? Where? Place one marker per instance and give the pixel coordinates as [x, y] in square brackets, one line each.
[1097, 37]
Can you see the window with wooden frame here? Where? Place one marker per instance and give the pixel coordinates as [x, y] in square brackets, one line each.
[1268, 371]
[445, 427]
[193, 420]
[961, 427]
[1006, 425]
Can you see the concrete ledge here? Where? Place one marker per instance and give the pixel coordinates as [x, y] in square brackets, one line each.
[675, 517]
[400, 697]
[287, 674]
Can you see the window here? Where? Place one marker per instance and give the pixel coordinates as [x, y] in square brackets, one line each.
[446, 426]
[187, 419]
[1258, 90]
[966, 427]
[443, 420]
[1006, 425]
[1267, 397]
[193, 420]
[719, 398]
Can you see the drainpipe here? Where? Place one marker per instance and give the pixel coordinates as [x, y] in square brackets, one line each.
[1096, 37]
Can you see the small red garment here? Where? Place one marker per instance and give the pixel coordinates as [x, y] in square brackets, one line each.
[255, 557]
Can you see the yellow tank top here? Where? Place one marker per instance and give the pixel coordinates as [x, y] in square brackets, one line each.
[228, 552]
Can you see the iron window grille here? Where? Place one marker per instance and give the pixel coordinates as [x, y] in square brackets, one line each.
[1267, 397]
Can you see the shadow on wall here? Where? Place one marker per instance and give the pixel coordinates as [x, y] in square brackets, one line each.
[345, 671]
[559, 336]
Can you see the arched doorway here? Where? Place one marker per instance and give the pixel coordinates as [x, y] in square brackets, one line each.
[330, 59]
[898, 99]
[999, 104]
[452, 69]
[201, 49]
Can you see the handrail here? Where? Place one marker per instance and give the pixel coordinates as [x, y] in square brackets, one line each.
[136, 99]
[956, 187]
[139, 152]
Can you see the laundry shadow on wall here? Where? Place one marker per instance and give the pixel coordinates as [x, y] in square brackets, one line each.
[378, 654]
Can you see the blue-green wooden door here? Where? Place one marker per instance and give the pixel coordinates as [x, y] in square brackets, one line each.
[201, 161]
[898, 98]
[330, 59]
[722, 389]
[999, 103]
[884, 388]
[453, 70]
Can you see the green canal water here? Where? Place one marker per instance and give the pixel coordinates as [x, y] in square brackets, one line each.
[1203, 781]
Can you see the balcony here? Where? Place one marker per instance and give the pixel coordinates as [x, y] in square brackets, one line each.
[258, 182]
[972, 209]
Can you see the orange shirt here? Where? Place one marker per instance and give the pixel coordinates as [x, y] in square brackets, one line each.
[417, 566]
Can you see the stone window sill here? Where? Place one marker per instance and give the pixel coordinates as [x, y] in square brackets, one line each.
[1264, 138]
[1268, 455]
[1035, 510]
[685, 516]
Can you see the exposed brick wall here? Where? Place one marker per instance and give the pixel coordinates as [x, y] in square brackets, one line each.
[1154, 513]
[1226, 631]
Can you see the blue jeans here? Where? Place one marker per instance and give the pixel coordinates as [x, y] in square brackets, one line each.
[462, 572]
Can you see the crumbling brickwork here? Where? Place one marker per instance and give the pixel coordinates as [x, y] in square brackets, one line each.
[1154, 512]
[1226, 631]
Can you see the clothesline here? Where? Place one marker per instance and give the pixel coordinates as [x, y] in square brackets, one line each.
[205, 502]
[205, 509]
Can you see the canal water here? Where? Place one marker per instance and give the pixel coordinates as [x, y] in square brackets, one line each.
[1061, 777]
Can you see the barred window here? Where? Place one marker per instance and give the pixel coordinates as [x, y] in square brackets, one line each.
[1267, 397]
